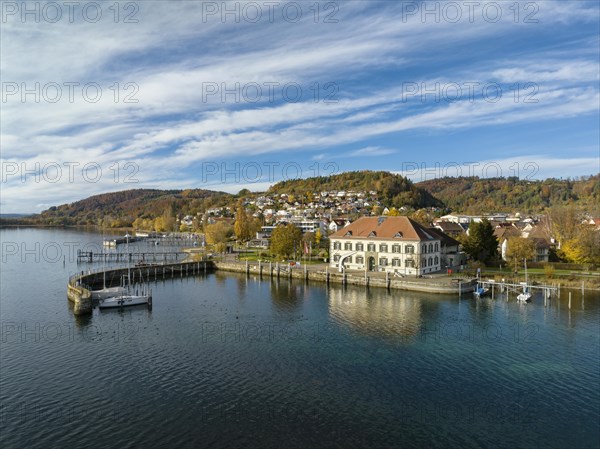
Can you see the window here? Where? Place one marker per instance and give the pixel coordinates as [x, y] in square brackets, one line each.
[383, 262]
[383, 248]
[430, 261]
[372, 234]
[360, 247]
[423, 249]
[348, 233]
[410, 249]
[337, 245]
[396, 248]
[431, 247]
[410, 263]
[348, 246]
[398, 235]
[371, 247]
[348, 259]
[336, 258]
[424, 262]
[396, 262]
[437, 247]
[360, 259]
[436, 260]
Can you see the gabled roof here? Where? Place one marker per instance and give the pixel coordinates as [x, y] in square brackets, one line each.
[541, 242]
[446, 240]
[449, 226]
[505, 232]
[386, 228]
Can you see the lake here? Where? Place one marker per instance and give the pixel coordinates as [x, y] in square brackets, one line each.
[225, 360]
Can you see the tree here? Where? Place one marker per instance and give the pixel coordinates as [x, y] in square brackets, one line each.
[578, 241]
[241, 226]
[520, 248]
[318, 237]
[285, 240]
[481, 244]
[217, 233]
[421, 216]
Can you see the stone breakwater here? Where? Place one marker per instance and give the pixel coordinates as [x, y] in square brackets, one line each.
[80, 285]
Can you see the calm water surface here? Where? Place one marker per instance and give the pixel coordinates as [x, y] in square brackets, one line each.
[227, 361]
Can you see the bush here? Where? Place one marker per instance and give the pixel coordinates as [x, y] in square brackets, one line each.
[549, 271]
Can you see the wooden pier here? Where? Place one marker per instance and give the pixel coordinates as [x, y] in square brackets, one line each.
[135, 256]
[498, 287]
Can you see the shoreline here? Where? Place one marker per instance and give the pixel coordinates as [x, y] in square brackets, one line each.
[438, 285]
[80, 285]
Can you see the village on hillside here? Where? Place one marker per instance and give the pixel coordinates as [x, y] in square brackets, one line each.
[325, 214]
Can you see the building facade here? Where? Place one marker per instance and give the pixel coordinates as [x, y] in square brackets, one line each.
[397, 245]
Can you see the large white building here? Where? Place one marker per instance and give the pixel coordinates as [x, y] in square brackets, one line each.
[394, 244]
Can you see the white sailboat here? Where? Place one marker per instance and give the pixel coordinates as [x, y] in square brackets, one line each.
[127, 297]
[107, 292]
[526, 295]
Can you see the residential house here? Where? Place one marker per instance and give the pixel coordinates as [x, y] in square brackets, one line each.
[451, 256]
[338, 223]
[450, 228]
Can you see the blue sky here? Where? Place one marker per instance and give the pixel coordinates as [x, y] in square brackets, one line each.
[231, 95]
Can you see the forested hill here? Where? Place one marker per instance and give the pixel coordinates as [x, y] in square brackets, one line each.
[459, 195]
[122, 208]
[393, 190]
[477, 195]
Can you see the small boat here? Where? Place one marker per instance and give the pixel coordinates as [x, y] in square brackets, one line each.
[127, 296]
[526, 295]
[480, 291]
[108, 292]
[124, 301]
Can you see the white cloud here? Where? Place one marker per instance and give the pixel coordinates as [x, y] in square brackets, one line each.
[367, 56]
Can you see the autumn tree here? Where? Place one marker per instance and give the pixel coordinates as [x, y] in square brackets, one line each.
[518, 249]
[481, 244]
[286, 240]
[423, 217]
[217, 233]
[242, 225]
[578, 241]
[318, 237]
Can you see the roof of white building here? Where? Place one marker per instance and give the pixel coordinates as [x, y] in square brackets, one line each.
[385, 228]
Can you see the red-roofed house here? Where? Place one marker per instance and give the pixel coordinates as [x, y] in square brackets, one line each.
[392, 244]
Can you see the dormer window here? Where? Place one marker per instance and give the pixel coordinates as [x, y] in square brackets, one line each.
[398, 235]
[348, 233]
[372, 234]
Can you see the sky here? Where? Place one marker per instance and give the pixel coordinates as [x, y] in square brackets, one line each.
[109, 96]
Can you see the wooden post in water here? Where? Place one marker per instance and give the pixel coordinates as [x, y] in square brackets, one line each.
[582, 288]
[569, 300]
[459, 289]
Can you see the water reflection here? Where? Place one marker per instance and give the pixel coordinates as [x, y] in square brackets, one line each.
[286, 296]
[375, 312]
